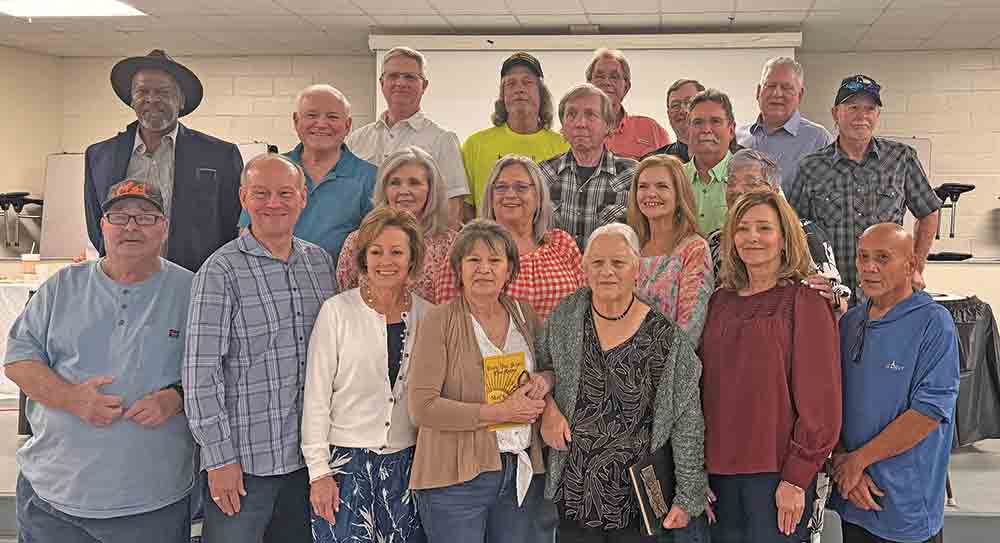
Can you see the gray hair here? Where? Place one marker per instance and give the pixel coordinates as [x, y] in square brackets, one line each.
[320, 88]
[500, 113]
[408, 53]
[542, 221]
[434, 219]
[717, 96]
[612, 54]
[752, 157]
[787, 62]
[586, 89]
[615, 229]
[495, 236]
[268, 157]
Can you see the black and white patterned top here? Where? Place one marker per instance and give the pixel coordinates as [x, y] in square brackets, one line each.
[613, 426]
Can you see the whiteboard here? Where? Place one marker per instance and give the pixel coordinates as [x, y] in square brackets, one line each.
[64, 223]
[464, 84]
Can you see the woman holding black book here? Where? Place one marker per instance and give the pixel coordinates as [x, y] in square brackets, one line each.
[627, 387]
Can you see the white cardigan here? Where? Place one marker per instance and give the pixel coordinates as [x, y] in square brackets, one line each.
[348, 401]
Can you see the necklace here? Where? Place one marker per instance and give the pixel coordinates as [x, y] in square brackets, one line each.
[369, 297]
[619, 317]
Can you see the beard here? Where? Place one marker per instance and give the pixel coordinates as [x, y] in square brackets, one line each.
[157, 123]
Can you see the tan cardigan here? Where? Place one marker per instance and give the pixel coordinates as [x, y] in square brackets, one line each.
[445, 394]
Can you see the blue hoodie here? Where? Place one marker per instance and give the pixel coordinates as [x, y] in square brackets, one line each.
[908, 360]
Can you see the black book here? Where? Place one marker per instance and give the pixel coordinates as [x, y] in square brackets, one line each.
[653, 485]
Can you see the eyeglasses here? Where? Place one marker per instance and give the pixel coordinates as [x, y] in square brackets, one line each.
[517, 188]
[862, 83]
[142, 219]
[858, 347]
[407, 77]
[613, 77]
[678, 105]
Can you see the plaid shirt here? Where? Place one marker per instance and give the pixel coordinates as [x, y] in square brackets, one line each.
[244, 367]
[547, 275]
[579, 208]
[846, 197]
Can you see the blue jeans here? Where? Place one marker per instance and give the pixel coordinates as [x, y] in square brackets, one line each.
[376, 503]
[485, 509]
[275, 510]
[39, 522]
[746, 512]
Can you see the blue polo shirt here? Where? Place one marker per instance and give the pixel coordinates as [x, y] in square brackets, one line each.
[336, 203]
[83, 324]
[909, 360]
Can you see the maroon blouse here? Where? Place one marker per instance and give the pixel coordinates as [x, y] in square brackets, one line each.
[771, 383]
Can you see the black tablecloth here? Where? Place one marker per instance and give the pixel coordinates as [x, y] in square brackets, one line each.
[977, 415]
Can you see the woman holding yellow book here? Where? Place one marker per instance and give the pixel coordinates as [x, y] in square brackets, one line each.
[357, 436]
[478, 465]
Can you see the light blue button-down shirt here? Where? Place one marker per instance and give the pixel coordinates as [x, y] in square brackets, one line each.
[787, 145]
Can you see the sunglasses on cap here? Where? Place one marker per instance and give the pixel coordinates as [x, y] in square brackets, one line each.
[862, 84]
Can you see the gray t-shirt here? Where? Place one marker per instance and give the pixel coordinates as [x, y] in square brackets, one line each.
[83, 324]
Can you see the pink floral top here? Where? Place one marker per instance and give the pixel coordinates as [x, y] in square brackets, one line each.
[680, 284]
[435, 256]
[548, 274]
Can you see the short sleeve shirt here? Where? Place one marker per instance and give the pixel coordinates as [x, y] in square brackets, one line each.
[710, 194]
[636, 136]
[787, 145]
[846, 197]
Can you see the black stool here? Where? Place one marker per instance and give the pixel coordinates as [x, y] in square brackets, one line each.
[951, 191]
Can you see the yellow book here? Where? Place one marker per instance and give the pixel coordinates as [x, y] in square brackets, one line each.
[502, 375]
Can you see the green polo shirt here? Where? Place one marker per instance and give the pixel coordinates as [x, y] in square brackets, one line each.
[710, 194]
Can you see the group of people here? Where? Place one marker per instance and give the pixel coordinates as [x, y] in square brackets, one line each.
[296, 347]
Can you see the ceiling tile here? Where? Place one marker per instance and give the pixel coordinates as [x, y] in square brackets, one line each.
[552, 21]
[567, 7]
[981, 15]
[909, 24]
[693, 20]
[702, 6]
[238, 22]
[621, 6]
[411, 21]
[764, 18]
[963, 36]
[650, 21]
[464, 7]
[341, 21]
[395, 7]
[850, 4]
[462, 22]
[773, 5]
[844, 17]
[831, 37]
[213, 7]
[320, 7]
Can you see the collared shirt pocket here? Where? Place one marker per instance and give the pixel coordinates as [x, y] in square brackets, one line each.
[831, 207]
[889, 195]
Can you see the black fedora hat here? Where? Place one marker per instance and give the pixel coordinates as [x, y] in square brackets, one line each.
[157, 59]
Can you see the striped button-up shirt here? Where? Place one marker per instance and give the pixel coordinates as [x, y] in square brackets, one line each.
[244, 367]
[846, 197]
[582, 205]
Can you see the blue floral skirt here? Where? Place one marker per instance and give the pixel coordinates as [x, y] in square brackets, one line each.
[376, 504]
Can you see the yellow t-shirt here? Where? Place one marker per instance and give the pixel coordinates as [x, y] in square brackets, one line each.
[482, 150]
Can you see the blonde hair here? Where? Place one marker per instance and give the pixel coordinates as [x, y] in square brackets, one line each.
[796, 263]
[686, 212]
[376, 222]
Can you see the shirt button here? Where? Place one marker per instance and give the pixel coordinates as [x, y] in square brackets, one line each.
[392, 400]
[387, 425]
[124, 306]
[301, 339]
[121, 323]
[125, 291]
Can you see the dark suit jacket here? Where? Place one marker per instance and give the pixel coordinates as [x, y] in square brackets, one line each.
[205, 206]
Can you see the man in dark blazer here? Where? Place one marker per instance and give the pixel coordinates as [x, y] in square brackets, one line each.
[199, 175]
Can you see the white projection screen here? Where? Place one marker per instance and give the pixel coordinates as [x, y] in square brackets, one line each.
[464, 70]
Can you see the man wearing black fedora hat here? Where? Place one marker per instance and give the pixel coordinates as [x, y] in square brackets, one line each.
[198, 175]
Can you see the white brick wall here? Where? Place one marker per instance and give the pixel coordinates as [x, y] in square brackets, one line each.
[950, 97]
[246, 98]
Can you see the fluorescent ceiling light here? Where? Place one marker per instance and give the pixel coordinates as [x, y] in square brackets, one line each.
[67, 8]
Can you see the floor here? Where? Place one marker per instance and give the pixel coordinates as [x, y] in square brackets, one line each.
[975, 477]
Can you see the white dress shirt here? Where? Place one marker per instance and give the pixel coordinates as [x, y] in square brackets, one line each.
[375, 141]
[348, 400]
